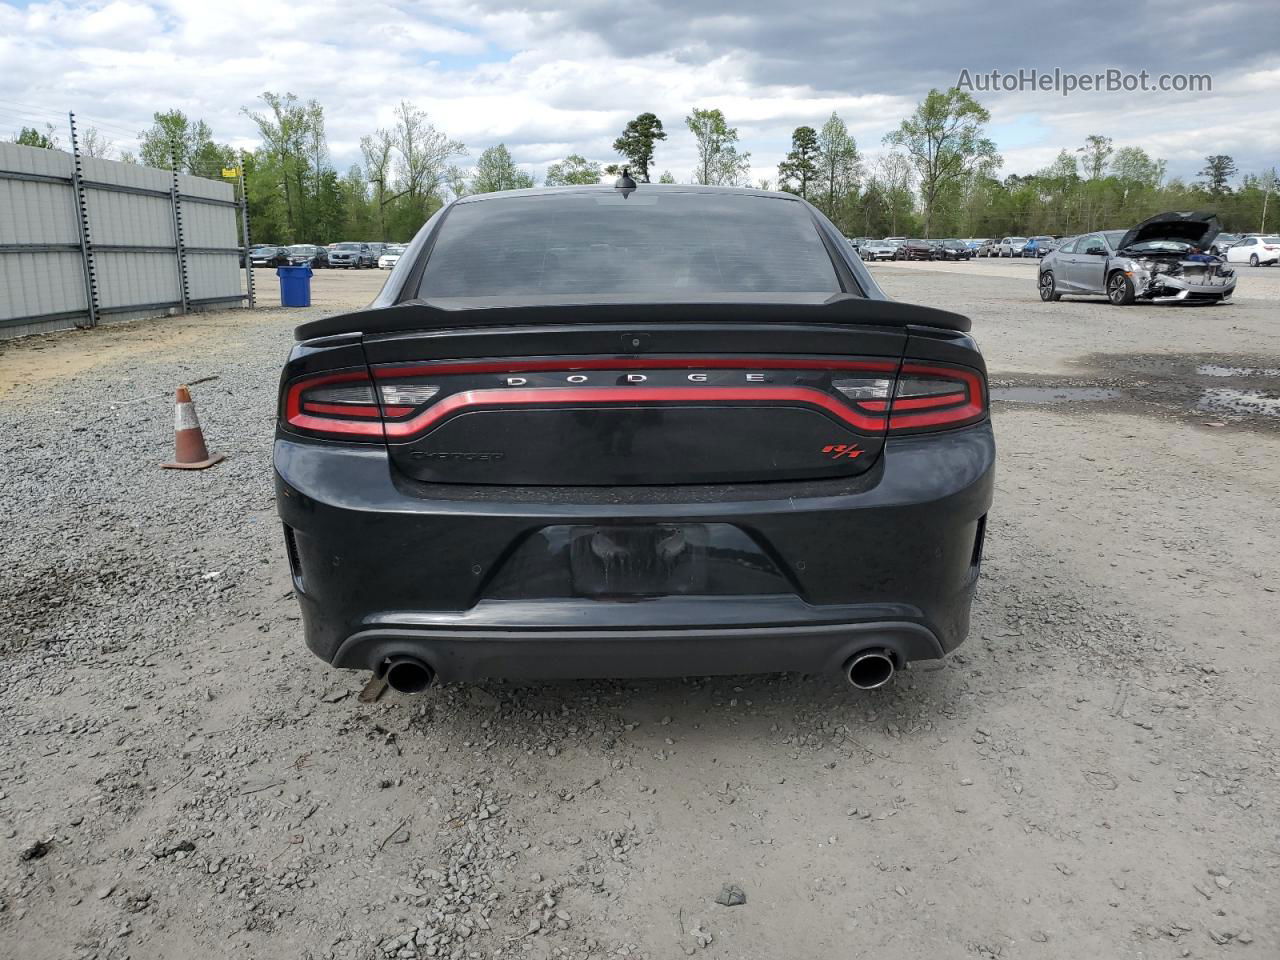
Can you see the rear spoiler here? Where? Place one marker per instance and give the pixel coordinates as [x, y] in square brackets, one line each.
[451, 314]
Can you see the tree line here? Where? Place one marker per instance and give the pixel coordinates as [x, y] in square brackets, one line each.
[937, 175]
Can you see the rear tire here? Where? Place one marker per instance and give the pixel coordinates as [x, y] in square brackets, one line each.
[1048, 289]
[1120, 289]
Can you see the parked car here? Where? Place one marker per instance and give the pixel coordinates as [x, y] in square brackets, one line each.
[1010, 247]
[975, 244]
[317, 258]
[987, 248]
[896, 241]
[350, 254]
[915, 250]
[1255, 251]
[1223, 241]
[953, 250]
[390, 257]
[377, 249]
[268, 255]
[1157, 260]
[877, 250]
[1037, 246]
[624, 438]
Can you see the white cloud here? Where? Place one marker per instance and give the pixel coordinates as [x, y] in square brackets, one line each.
[566, 77]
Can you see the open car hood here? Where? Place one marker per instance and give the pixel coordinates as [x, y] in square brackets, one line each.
[1192, 227]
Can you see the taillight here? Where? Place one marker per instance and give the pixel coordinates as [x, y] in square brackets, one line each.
[339, 404]
[400, 402]
[929, 397]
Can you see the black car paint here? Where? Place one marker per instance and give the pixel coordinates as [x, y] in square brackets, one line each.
[386, 564]
[276, 257]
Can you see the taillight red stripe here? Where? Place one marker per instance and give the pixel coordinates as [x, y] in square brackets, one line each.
[342, 409]
[640, 396]
[915, 403]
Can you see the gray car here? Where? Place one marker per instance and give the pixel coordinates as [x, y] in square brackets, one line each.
[349, 254]
[1160, 261]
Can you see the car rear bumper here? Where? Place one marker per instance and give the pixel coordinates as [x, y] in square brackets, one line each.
[385, 566]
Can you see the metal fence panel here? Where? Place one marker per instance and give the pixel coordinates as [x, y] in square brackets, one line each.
[138, 279]
[36, 285]
[137, 255]
[35, 212]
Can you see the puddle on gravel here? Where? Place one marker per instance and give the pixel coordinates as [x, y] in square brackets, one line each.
[1255, 403]
[1215, 370]
[1054, 394]
[1240, 389]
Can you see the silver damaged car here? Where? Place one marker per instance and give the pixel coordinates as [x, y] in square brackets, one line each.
[1164, 259]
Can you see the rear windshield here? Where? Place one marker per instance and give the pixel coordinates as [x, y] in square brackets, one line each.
[347, 246]
[655, 242]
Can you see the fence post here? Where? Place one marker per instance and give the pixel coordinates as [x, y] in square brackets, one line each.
[244, 224]
[86, 242]
[177, 232]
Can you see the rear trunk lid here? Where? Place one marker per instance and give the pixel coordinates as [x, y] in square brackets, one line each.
[772, 394]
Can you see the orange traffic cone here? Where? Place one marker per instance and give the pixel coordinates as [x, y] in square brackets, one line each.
[190, 453]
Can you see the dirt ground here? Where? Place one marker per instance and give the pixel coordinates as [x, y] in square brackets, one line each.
[1095, 773]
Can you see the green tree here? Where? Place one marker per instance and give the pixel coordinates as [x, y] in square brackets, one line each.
[839, 165]
[31, 137]
[1218, 169]
[666, 177]
[1269, 183]
[268, 215]
[376, 150]
[174, 139]
[637, 142]
[94, 144]
[891, 178]
[425, 153]
[800, 167]
[1133, 165]
[719, 162]
[456, 181]
[573, 170]
[360, 215]
[294, 143]
[496, 170]
[1097, 150]
[944, 141]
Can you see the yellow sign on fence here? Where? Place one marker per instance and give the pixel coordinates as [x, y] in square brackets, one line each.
[231, 172]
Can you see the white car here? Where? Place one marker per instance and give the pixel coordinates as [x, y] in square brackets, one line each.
[877, 250]
[1255, 251]
[1009, 247]
[390, 257]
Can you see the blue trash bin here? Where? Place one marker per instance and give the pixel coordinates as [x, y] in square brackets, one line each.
[295, 286]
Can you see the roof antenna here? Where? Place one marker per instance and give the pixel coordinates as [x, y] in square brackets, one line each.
[625, 183]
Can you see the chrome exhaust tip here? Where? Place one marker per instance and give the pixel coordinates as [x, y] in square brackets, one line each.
[870, 669]
[408, 675]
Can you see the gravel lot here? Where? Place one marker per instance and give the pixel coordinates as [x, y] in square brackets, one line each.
[1094, 774]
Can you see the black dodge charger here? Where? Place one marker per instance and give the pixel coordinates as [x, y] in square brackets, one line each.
[633, 431]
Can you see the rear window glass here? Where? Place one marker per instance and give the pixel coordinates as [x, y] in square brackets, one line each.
[652, 242]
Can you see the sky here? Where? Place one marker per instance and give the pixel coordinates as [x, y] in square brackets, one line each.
[553, 78]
